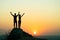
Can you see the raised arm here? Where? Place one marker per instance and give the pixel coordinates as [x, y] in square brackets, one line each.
[11, 13]
[18, 13]
[23, 14]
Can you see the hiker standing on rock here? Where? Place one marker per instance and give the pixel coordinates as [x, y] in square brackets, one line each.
[19, 19]
[15, 19]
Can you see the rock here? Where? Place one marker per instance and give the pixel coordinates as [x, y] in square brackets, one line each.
[17, 33]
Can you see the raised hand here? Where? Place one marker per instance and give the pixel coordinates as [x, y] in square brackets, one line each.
[23, 14]
[11, 13]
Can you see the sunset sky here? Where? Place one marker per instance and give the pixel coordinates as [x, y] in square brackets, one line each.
[42, 17]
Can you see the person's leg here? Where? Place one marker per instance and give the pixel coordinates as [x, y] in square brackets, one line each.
[16, 24]
[19, 24]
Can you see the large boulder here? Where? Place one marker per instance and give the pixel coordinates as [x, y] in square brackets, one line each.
[17, 34]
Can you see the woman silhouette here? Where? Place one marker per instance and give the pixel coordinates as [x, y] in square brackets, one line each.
[19, 19]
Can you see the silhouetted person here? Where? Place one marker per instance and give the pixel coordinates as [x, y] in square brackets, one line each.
[19, 19]
[15, 19]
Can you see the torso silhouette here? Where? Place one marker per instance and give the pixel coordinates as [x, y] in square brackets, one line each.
[15, 18]
[19, 17]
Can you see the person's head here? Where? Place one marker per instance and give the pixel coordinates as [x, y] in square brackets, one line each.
[14, 13]
[18, 14]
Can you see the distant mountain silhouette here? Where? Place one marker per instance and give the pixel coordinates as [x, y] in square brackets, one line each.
[19, 34]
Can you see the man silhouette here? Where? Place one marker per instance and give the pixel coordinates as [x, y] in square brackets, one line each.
[19, 19]
[15, 19]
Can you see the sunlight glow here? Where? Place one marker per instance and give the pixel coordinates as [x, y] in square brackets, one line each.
[35, 33]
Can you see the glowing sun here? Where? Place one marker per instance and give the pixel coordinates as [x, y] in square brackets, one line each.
[35, 33]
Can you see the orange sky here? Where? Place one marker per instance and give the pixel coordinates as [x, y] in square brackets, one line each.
[41, 16]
